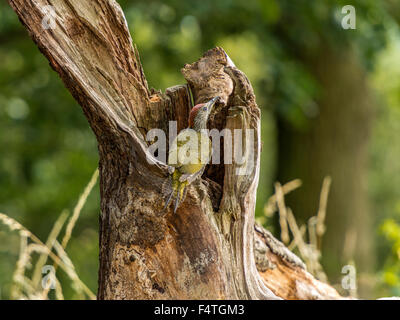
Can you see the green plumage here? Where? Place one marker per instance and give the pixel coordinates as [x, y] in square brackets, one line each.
[189, 153]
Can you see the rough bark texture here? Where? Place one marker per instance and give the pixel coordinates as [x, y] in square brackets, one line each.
[205, 250]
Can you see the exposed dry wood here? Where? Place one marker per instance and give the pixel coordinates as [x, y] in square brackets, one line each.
[284, 273]
[206, 249]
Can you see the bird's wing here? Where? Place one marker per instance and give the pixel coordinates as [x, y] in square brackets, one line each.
[198, 149]
[173, 159]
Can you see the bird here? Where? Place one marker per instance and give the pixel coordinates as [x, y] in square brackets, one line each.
[189, 154]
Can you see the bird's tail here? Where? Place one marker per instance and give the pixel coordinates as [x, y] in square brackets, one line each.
[174, 189]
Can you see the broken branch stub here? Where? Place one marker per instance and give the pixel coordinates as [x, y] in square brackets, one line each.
[213, 75]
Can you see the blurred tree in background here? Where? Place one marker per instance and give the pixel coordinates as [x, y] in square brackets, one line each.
[331, 106]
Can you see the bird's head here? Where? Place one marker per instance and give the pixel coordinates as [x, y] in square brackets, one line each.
[199, 114]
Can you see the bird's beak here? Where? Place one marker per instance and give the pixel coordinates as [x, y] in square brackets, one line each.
[211, 103]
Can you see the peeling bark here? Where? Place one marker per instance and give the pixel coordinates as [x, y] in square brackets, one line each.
[206, 250]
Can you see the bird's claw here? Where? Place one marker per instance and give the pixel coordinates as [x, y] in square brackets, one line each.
[171, 169]
[184, 177]
[190, 177]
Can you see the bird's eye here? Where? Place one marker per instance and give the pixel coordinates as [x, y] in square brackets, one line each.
[204, 108]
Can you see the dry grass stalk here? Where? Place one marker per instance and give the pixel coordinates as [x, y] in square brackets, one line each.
[320, 227]
[293, 244]
[37, 273]
[309, 252]
[298, 237]
[21, 283]
[271, 206]
[24, 261]
[26, 288]
[72, 221]
[282, 213]
[78, 208]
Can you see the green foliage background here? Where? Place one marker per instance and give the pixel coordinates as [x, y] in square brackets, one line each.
[48, 153]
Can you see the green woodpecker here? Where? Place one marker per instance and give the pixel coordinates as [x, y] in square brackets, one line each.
[190, 152]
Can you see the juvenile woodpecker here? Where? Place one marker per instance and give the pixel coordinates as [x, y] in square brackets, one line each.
[190, 152]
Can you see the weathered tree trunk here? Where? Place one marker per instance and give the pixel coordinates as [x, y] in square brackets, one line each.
[205, 250]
